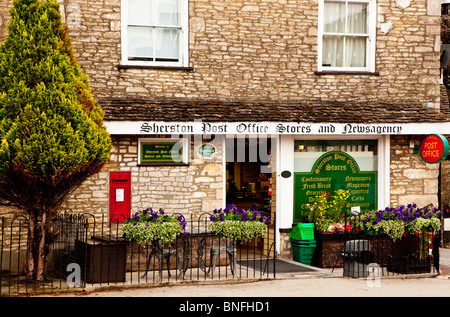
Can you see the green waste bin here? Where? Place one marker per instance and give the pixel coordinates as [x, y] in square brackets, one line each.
[302, 231]
[303, 250]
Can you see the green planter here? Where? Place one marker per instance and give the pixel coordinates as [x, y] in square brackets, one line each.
[303, 250]
[302, 231]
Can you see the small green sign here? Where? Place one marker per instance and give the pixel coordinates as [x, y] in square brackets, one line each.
[161, 152]
[332, 171]
[207, 150]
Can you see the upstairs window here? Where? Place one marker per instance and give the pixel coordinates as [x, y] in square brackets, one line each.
[155, 32]
[347, 35]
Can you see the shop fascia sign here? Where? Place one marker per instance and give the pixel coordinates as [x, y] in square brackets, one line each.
[273, 128]
[434, 148]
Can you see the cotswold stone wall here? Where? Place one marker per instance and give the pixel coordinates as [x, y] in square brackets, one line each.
[261, 50]
[445, 182]
[412, 180]
[253, 50]
[190, 189]
[4, 17]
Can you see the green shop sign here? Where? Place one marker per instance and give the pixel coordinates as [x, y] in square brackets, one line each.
[332, 171]
[161, 152]
[207, 150]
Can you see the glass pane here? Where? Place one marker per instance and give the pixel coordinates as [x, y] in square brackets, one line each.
[139, 12]
[333, 51]
[334, 17]
[357, 18]
[167, 44]
[167, 12]
[306, 152]
[355, 51]
[140, 43]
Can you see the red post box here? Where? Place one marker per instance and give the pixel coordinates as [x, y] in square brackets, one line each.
[119, 196]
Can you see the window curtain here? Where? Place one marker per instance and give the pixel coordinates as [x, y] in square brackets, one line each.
[154, 30]
[345, 34]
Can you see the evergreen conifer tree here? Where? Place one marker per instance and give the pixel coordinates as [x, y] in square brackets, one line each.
[52, 136]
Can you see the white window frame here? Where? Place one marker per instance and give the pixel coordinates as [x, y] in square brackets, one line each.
[183, 45]
[370, 49]
[285, 186]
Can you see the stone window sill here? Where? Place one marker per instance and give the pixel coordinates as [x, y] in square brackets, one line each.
[154, 67]
[346, 73]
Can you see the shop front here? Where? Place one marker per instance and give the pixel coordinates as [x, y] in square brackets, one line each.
[278, 171]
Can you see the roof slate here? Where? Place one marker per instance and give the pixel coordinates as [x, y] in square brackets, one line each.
[140, 109]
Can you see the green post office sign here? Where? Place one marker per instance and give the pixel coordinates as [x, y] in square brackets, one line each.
[332, 171]
[161, 152]
[207, 150]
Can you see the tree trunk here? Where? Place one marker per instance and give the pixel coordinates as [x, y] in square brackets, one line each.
[41, 256]
[37, 233]
[30, 249]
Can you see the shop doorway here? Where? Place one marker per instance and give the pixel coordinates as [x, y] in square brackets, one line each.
[249, 179]
[249, 173]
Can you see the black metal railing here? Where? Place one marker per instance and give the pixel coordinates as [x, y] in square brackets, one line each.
[89, 250]
[355, 251]
[346, 244]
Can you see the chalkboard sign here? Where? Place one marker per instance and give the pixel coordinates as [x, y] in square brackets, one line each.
[161, 152]
[332, 171]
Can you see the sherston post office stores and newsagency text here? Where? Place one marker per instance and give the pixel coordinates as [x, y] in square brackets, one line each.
[271, 128]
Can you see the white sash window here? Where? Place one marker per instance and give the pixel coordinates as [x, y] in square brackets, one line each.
[347, 35]
[155, 32]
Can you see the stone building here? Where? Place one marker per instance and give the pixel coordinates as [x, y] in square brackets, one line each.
[285, 81]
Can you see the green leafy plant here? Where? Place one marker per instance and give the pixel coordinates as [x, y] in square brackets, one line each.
[238, 224]
[396, 221]
[148, 226]
[52, 136]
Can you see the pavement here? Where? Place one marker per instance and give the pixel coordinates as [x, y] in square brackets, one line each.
[317, 283]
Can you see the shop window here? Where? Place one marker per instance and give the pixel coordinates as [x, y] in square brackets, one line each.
[327, 166]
